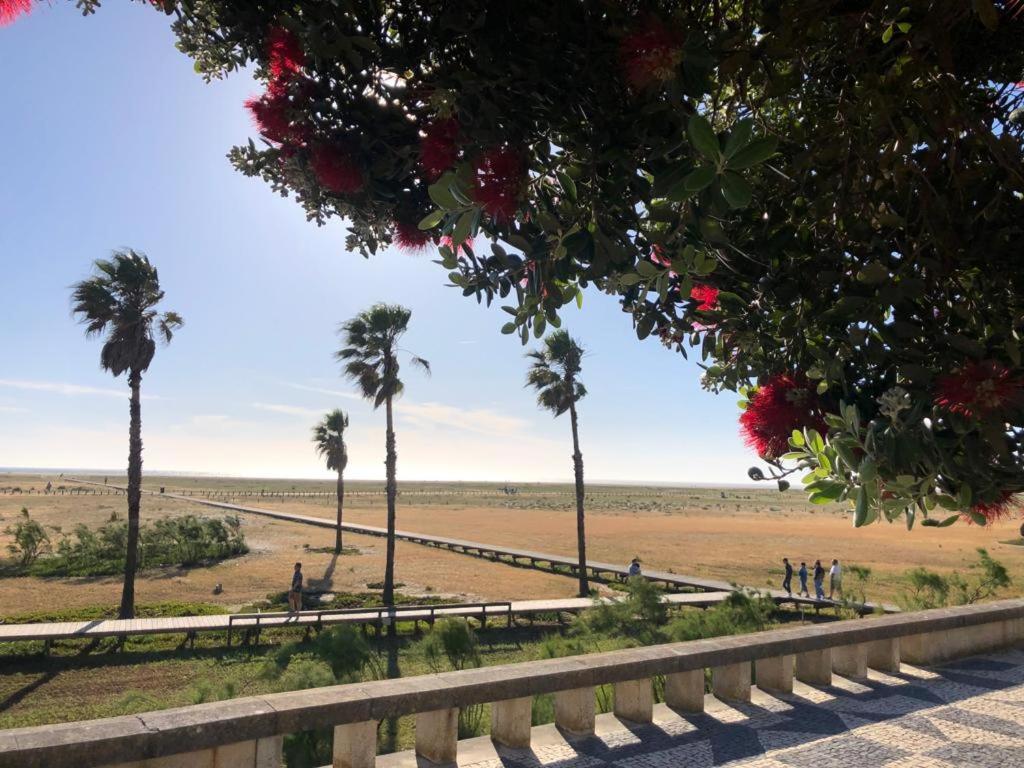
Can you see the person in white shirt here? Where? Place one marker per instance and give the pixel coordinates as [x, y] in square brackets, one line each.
[835, 580]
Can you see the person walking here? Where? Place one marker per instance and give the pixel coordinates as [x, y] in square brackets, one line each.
[787, 581]
[835, 580]
[802, 573]
[819, 580]
[295, 593]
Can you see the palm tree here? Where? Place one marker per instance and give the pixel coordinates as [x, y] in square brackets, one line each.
[120, 300]
[329, 438]
[553, 373]
[370, 355]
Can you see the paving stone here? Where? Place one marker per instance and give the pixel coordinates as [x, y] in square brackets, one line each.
[967, 714]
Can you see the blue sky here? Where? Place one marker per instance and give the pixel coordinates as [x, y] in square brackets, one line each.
[112, 140]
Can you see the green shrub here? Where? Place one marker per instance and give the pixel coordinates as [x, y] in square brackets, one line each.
[179, 541]
[30, 540]
[929, 589]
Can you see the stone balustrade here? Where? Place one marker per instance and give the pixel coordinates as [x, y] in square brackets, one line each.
[248, 732]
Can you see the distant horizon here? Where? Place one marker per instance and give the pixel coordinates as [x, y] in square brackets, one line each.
[327, 476]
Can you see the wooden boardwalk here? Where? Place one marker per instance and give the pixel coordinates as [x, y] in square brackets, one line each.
[382, 616]
[523, 557]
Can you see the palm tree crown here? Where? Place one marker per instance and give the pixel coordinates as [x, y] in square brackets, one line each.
[554, 370]
[370, 351]
[329, 437]
[120, 301]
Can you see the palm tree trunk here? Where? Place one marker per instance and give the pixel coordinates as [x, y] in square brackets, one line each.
[127, 610]
[392, 490]
[341, 505]
[581, 538]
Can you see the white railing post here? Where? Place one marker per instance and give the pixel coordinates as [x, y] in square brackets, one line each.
[850, 660]
[511, 721]
[574, 710]
[269, 752]
[437, 735]
[731, 681]
[355, 745]
[815, 667]
[685, 690]
[634, 700]
[884, 655]
[775, 673]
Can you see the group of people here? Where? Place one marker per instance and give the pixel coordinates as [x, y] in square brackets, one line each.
[835, 579]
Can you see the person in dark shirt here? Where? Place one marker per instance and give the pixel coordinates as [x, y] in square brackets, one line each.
[295, 593]
[787, 582]
[802, 573]
[819, 580]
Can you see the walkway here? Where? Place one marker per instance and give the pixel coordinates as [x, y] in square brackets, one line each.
[964, 714]
[191, 625]
[520, 557]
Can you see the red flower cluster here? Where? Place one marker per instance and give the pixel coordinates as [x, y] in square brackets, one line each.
[336, 170]
[499, 180]
[651, 54]
[779, 406]
[10, 10]
[979, 388]
[706, 296]
[270, 111]
[270, 114]
[285, 56]
[439, 149]
[659, 257]
[1002, 507]
[409, 237]
[447, 241]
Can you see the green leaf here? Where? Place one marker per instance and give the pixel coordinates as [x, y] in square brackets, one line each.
[933, 523]
[703, 137]
[735, 189]
[630, 278]
[508, 328]
[797, 438]
[441, 194]
[903, 26]
[739, 137]
[965, 498]
[987, 13]
[699, 178]
[568, 185]
[947, 502]
[887, 34]
[860, 510]
[431, 220]
[754, 153]
[873, 273]
[463, 227]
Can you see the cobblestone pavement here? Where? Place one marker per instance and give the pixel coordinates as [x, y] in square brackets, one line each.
[965, 714]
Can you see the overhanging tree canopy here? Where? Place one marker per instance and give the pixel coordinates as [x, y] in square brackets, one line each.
[824, 198]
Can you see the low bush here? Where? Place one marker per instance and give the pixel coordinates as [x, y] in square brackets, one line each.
[178, 541]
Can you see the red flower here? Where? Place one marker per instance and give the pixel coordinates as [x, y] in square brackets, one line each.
[446, 241]
[651, 53]
[10, 10]
[658, 256]
[439, 149]
[1003, 506]
[270, 114]
[336, 170]
[978, 389]
[706, 297]
[285, 56]
[409, 237]
[782, 404]
[498, 184]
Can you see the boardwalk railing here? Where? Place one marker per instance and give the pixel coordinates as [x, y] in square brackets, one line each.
[249, 732]
[379, 616]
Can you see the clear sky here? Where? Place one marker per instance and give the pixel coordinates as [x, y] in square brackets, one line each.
[112, 140]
